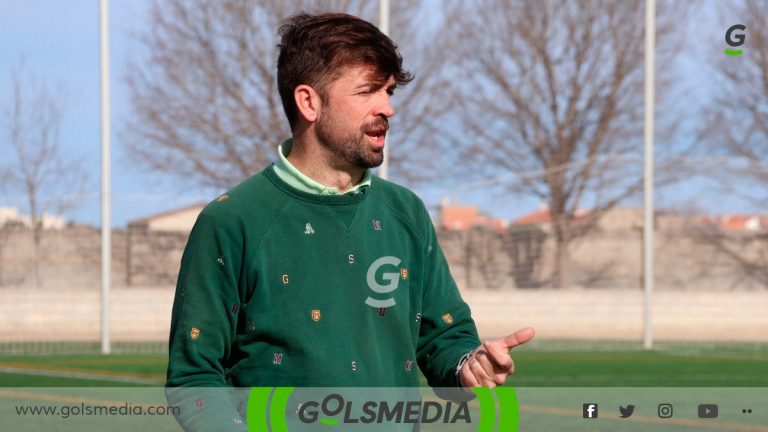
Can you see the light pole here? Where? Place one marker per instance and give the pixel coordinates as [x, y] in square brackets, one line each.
[106, 218]
[384, 27]
[648, 208]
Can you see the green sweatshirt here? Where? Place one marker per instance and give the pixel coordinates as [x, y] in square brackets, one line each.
[279, 287]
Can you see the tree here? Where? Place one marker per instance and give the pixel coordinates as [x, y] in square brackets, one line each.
[37, 167]
[554, 94]
[737, 119]
[736, 131]
[205, 106]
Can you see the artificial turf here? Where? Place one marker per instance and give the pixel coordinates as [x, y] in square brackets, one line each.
[684, 365]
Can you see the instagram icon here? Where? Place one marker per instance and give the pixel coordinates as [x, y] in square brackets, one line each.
[665, 410]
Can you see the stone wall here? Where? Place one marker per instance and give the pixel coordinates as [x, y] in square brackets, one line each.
[523, 257]
[480, 259]
[699, 276]
[71, 258]
[153, 257]
[67, 258]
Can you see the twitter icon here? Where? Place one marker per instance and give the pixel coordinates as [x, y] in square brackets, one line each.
[626, 412]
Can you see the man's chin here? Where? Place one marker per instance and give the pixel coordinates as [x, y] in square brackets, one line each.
[377, 159]
[370, 162]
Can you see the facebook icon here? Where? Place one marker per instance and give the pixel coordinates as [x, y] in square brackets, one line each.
[589, 410]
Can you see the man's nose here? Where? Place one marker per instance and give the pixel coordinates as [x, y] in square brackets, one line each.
[384, 107]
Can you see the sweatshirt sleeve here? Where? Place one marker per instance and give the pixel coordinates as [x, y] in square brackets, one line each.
[447, 330]
[203, 325]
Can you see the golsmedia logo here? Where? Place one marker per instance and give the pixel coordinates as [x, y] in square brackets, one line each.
[285, 409]
[409, 412]
[735, 37]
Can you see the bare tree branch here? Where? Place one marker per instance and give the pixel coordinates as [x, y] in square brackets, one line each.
[205, 106]
[737, 118]
[49, 179]
[552, 83]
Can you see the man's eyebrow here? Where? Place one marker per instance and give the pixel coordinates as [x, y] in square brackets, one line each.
[375, 85]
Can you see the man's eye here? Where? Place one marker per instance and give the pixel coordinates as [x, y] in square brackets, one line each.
[367, 92]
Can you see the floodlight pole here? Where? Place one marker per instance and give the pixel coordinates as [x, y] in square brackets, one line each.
[384, 27]
[648, 208]
[106, 219]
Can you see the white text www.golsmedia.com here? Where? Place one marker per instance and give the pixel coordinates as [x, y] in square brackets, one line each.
[66, 411]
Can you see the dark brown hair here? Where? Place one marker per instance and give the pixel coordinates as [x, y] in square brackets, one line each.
[315, 48]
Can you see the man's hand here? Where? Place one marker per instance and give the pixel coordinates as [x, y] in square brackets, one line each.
[489, 364]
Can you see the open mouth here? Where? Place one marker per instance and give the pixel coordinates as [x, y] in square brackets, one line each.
[377, 135]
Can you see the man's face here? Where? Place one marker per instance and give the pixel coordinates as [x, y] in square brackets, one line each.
[353, 119]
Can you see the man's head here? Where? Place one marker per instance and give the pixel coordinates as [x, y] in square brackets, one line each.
[316, 50]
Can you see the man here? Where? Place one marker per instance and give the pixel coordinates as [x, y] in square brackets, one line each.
[314, 272]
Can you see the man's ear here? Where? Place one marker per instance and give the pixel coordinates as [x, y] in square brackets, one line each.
[308, 102]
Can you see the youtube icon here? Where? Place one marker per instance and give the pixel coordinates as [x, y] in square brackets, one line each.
[707, 411]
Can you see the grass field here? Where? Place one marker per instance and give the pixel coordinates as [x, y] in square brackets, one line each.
[553, 380]
[547, 364]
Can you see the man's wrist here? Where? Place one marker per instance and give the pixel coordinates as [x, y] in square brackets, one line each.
[465, 358]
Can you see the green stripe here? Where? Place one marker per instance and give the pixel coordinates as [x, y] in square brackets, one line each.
[734, 52]
[487, 409]
[277, 409]
[257, 409]
[508, 408]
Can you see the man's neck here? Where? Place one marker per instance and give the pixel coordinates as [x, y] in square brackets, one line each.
[318, 163]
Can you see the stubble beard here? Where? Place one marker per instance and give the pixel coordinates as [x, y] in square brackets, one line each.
[353, 146]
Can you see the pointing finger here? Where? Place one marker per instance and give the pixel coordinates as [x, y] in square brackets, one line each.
[519, 337]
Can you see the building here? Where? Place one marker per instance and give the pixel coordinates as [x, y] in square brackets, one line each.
[619, 218]
[743, 222]
[11, 215]
[542, 216]
[177, 220]
[455, 217]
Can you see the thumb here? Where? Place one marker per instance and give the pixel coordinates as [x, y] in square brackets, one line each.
[519, 337]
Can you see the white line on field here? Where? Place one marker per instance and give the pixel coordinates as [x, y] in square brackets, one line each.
[79, 375]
